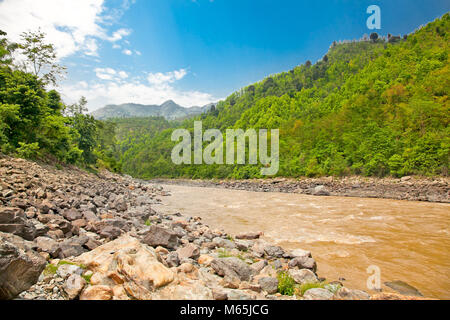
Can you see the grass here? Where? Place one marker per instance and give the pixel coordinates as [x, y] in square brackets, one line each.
[148, 223]
[286, 284]
[227, 254]
[301, 289]
[51, 269]
[288, 287]
[87, 278]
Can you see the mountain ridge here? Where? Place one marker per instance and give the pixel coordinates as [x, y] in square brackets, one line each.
[169, 110]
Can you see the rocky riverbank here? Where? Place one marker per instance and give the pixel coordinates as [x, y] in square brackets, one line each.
[67, 234]
[407, 188]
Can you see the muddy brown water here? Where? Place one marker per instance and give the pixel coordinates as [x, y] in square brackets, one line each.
[408, 241]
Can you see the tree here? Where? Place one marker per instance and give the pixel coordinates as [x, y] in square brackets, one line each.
[308, 64]
[41, 59]
[374, 36]
[6, 49]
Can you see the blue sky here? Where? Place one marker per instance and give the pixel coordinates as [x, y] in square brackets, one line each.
[195, 52]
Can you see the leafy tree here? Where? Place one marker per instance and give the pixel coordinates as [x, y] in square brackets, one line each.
[41, 59]
[374, 36]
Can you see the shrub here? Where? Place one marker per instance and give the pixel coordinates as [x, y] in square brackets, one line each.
[28, 150]
[286, 284]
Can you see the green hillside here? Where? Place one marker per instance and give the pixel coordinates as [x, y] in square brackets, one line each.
[373, 108]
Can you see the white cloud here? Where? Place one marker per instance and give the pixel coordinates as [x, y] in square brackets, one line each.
[105, 73]
[127, 52]
[138, 52]
[157, 89]
[119, 34]
[123, 74]
[72, 26]
[160, 79]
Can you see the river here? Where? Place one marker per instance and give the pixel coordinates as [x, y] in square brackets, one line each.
[407, 240]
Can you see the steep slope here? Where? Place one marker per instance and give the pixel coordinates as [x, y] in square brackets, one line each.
[371, 108]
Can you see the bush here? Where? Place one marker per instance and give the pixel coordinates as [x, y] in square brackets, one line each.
[286, 284]
[28, 150]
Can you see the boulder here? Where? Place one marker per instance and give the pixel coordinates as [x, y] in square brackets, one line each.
[318, 294]
[48, 245]
[224, 243]
[90, 216]
[258, 266]
[72, 214]
[274, 251]
[189, 251]
[269, 284]
[348, 294]
[11, 215]
[157, 236]
[97, 293]
[249, 235]
[110, 232]
[70, 248]
[73, 286]
[303, 263]
[127, 263]
[20, 267]
[67, 270]
[303, 276]
[232, 268]
[320, 191]
[172, 259]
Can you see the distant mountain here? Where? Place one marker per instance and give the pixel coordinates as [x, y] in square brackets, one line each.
[169, 110]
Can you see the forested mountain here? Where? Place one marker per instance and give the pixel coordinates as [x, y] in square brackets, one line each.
[169, 110]
[374, 107]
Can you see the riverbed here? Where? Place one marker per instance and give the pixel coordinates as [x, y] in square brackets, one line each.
[406, 240]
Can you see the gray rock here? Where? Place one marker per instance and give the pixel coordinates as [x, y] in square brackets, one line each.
[72, 214]
[19, 269]
[243, 245]
[320, 191]
[348, 294]
[110, 232]
[303, 276]
[90, 216]
[249, 235]
[66, 270]
[119, 204]
[303, 263]
[318, 294]
[258, 266]
[269, 284]
[232, 268]
[239, 295]
[163, 237]
[274, 251]
[48, 245]
[299, 253]
[189, 251]
[172, 259]
[70, 248]
[224, 243]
